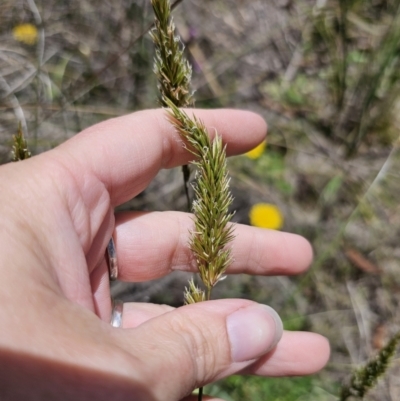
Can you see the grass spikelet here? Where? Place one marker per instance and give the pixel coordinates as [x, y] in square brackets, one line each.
[173, 71]
[365, 378]
[212, 233]
[20, 149]
[193, 294]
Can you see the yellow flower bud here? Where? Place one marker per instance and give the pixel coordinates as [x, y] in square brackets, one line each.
[25, 33]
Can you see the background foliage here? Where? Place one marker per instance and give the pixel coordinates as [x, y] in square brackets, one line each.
[323, 73]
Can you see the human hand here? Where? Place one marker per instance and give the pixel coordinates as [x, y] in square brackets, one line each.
[57, 212]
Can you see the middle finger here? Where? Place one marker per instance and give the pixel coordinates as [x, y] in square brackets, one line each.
[152, 244]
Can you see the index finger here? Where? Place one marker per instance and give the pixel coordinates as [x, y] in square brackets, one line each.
[126, 153]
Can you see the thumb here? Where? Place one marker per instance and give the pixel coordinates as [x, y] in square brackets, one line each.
[194, 345]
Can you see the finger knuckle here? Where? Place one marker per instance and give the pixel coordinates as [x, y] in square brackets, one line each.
[199, 348]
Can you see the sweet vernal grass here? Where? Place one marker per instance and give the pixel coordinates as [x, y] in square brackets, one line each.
[173, 71]
[365, 378]
[212, 233]
[193, 294]
[209, 241]
[20, 149]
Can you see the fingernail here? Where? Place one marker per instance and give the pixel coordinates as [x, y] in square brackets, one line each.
[253, 331]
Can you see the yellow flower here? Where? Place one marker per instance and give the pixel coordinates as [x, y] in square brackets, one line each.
[25, 33]
[265, 215]
[257, 151]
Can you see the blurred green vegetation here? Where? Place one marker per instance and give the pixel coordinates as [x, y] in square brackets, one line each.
[260, 389]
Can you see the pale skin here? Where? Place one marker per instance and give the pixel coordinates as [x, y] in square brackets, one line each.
[57, 215]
